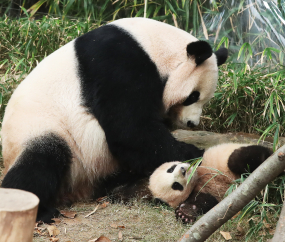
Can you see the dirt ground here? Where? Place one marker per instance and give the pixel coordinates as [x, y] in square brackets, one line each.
[137, 222]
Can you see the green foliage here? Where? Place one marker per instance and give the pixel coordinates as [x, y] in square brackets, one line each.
[24, 43]
[255, 31]
[184, 14]
[194, 165]
[248, 100]
[262, 211]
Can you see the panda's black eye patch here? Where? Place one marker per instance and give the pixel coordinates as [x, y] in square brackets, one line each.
[171, 169]
[177, 186]
[193, 97]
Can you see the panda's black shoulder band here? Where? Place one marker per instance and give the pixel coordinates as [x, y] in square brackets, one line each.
[201, 51]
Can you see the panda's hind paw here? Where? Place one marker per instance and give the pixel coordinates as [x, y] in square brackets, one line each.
[187, 213]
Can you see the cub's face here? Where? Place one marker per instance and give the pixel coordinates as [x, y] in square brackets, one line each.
[169, 182]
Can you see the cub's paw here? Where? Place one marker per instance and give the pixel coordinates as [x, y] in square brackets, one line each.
[187, 213]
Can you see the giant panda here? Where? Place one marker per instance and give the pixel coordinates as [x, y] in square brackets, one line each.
[97, 106]
[220, 166]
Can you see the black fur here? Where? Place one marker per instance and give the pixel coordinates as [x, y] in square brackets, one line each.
[247, 159]
[159, 202]
[222, 55]
[201, 50]
[196, 204]
[177, 186]
[125, 192]
[193, 97]
[40, 169]
[122, 88]
[122, 184]
[171, 169]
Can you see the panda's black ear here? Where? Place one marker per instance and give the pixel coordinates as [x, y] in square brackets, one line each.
[222, 55]
[201, 51]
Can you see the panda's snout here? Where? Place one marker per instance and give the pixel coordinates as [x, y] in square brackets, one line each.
[183, 171]
[190, 124]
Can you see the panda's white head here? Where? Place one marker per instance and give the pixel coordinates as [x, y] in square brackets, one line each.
[187, 66]
[193, 84]
[169, 182]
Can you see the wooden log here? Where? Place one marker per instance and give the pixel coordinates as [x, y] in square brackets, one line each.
[205, 139]
[18, 212]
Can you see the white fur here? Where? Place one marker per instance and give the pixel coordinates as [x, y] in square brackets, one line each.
[161, 181]
[214, 175]
[217, 156]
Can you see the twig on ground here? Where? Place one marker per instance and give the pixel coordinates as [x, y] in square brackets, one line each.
[95, 209]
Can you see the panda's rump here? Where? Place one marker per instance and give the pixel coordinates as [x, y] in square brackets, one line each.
[217, 157]
[91, 158]
[49, 101]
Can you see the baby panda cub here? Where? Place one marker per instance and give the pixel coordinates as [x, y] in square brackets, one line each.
[221, 165]
[167, 184]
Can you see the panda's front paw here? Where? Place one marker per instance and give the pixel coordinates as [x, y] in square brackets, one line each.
[187, 213]
[46, 214]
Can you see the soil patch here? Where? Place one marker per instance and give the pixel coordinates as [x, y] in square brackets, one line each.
[138, 221]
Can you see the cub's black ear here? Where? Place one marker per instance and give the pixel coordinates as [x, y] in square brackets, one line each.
[222, 55]
[201, 50]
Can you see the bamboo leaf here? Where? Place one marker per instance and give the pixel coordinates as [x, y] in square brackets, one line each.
[36, 7]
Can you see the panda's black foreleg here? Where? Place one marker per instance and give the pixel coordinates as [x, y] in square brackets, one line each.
[247, 159]
[40, 169]
[123, 186]
[195, 205]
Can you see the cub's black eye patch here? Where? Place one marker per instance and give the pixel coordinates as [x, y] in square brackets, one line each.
[171, 169]
[193, 97]
[177, 186]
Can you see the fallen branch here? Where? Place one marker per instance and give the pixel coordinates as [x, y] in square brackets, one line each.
[103, 205]
[279, 235]
[227, 208]
[95, 209]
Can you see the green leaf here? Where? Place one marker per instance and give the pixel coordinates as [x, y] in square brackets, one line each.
[276, 137]
[224, 40]
[36, 7]
[231, 119]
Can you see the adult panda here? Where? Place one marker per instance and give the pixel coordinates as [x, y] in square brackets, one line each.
[97, 105]
[220, 166]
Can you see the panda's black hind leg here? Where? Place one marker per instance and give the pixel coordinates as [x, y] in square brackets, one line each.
[248, 158]
[40, 169]
[194, 206]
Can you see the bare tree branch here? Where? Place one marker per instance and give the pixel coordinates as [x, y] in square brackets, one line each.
[279, 235]
[227, 208]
